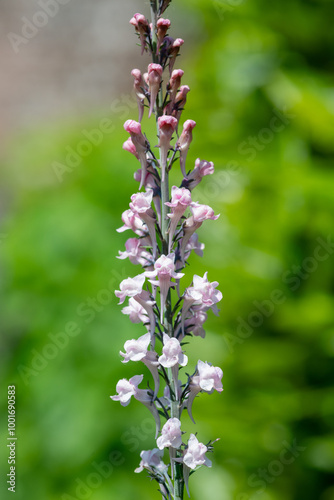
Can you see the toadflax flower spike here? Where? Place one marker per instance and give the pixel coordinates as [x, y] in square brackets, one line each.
[164, 223]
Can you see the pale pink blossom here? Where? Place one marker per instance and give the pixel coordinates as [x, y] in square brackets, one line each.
[167, 126]
[200, 213]
[128, 388]
[139, 88]
[170, 434]
[135, 311]
[140, 143]
[132, 221]
[195, 323]
[151, 459]
[141, 205]
[172, 354]
[133, 287]
[180, 201]
[154, 81]
[137, 350]
[195, 454]
[183, 143]
[195, 246]
[164, 271]
[202, 168]
[142, 28]
[135, 252]
[207, 379]
[130, 287]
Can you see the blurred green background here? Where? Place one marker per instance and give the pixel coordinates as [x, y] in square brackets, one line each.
[261, 79]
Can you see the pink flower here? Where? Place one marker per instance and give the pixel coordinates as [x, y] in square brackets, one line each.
[172, 354]
[140, 143]
[183, 143]
[202, 168]
[141, 205]
[208, 379]
[209, 295]
[170, 434]
[135, 252]
[132, 221]
[142, 27]
[128, 388]
[137, 350]
[195, 323]
[195, 246]
[135, 311]
[139, 88]
[164, 270]
[163, 25]
[167, 126]
[181, 199]
[151, 460]
[195, 454]
[154, 81]
[130, 287]
[200, 213]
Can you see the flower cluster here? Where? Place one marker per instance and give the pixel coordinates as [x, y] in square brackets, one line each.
[163, 225]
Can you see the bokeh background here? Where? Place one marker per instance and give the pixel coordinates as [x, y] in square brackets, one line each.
[261, 79]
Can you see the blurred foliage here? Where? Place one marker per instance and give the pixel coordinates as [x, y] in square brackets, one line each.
[246, 62]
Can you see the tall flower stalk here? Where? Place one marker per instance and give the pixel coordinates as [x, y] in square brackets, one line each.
[165, 222]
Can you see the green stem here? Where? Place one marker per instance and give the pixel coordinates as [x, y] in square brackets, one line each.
[168, 316]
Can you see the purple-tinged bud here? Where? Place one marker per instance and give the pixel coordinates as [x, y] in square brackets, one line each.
[174, 83]
[139, 87]
[173, 51]
[141, 25]
[167, 126]
[140, 143]
[184, 142]
[154, 80]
